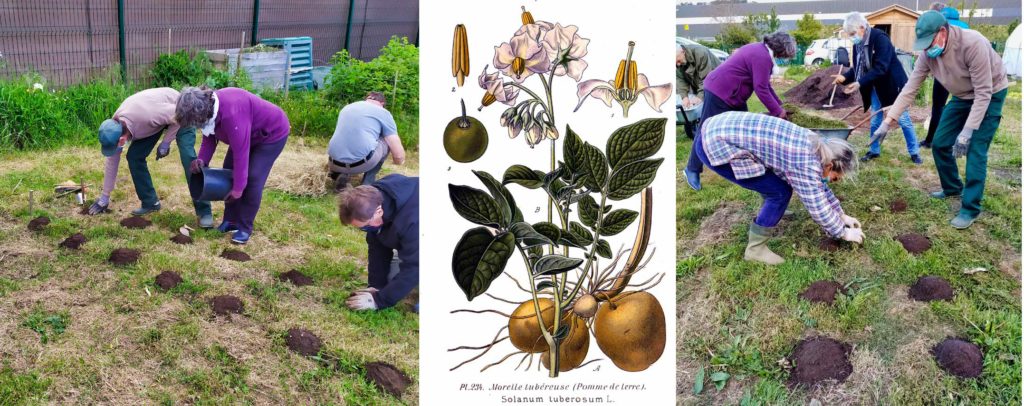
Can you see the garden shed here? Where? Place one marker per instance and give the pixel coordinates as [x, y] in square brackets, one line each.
[898, 23]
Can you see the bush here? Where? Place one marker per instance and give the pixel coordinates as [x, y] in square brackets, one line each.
[178, 69]
[350, 79]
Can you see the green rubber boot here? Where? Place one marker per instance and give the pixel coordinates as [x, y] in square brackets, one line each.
[757, 246]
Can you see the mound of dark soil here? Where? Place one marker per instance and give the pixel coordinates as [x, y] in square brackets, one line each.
[73, 242]
[929, 288]
[235, 255]
[168, 280]
[822, 292]
[296, 278]
[124, 256]
[387, 378]
[959, 357]
[898, 206]
[914, 243]
[303, 342]
[38, 223]
[226, 304]
[136, 222]
[819, 358]
[816, 90]
[829, 244]
[181, 239]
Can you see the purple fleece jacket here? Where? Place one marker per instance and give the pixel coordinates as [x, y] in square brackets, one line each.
[748, 70]
[243, 119]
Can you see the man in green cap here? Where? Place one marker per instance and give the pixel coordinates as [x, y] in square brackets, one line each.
[140, 120]
[965, 63]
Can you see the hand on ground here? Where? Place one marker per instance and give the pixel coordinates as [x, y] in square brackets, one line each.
[851, 222]
[361, 301]
[853, 235]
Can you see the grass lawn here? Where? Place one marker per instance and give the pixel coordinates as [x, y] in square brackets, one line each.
[78, 330]
[742, 319]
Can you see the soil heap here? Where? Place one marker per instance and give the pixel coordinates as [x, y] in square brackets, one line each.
[822, 292]
[303, 342]
[74, 241]
[819, 358]
[387, 378]
[929, 288]
[959, 357]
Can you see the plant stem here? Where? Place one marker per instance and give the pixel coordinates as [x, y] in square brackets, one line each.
[552, 344]
[593, 249]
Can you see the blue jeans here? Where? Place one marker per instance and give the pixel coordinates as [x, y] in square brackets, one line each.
[775, 191]
[713, 106]
[905, 124]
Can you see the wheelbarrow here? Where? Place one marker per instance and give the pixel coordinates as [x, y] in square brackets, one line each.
[844, 133]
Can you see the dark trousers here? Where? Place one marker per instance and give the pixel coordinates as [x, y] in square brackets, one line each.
[939, 97]
[136, 156]
[242, 212]
[775, 191]
[953, 118]
[713, 106]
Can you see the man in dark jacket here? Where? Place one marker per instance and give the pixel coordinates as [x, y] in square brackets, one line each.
[388, 211]
[879, 76]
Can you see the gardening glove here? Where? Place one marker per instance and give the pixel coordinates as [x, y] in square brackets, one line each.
[853, 235]
[852, 87]
[366, 290]
[851, 222]
[196, 166]
[880, 134]
[838, 79]
[99, 206]
[163, 150]
[361, 301]
[963, 141]
[687, 103]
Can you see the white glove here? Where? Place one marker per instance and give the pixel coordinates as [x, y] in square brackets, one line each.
[853, 235]
[851, 222]
[687, 103]
[361, 300]
[880, 133]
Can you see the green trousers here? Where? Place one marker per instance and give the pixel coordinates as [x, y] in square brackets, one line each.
[136, 156]
[953, 118]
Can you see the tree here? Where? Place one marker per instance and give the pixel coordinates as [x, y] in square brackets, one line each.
[1013, 25]
[734, 35]
[763, 23]
[807, 30]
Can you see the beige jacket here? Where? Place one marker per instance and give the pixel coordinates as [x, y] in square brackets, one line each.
[144, 113]
[969, 68]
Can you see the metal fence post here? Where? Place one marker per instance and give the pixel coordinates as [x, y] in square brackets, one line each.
[348, 26]
[255, 21]
[120, 42]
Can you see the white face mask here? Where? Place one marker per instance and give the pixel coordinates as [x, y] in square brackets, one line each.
[207, 128]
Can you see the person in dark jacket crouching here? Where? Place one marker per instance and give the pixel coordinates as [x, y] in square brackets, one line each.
[388, 211]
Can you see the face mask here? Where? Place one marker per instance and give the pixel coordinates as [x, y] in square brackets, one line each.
[824, 180]
[856, 40]
[370, 229]
[934, 51]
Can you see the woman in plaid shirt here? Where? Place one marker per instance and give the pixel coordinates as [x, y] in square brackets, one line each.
[774, 157]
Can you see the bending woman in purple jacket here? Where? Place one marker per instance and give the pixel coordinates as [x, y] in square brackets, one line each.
[748, 70]
[255, 131]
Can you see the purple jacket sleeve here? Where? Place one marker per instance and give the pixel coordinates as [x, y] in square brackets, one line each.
[207, 148]
[239, 138]
[762, 71]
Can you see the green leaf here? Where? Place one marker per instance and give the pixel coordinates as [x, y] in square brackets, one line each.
[572, 152]
[596, 166]
[544, 285]
[525, 233]
[523, 176]
[475, 205]
[616, 221]
[698, 383]
[501, 195]
[549, 230]
[583, 236]
[570, 240]
[632, 178]
[720, 379]
[588, 211]
[636, 141]
[479, 259]
[518, 217]
[604, 249]
[555, 264]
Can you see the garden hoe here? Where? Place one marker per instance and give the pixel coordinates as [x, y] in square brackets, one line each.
[834, 86]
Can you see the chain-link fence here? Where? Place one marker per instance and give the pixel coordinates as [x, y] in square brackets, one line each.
[69, 41]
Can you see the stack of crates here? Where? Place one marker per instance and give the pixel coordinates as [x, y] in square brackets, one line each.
[300, 50]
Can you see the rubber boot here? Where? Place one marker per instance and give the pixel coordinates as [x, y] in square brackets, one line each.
[757, 246]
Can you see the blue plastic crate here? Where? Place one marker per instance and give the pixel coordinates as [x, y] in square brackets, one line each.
[300, 51]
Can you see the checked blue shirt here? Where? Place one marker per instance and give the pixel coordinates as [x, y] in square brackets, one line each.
[753, 143]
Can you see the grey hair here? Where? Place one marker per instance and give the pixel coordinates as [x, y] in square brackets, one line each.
[194, 107]
[836, 151]
[781, 43]
[853, 21]
[937, 6]
[679, 47]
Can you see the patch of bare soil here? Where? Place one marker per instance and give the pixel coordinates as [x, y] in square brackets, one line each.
[124, 256]
[716, 228]
[136, 222]
[816, 91]
[226, 304]
[235, 255]
[303, 342]
[822, 292]
[38, 223]
[929, 288]
[387, 378]
[296, 278]
[898, 206]
[168, 280]
[181, 239]
[959, 357]
[915, 243]
[819, 359]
